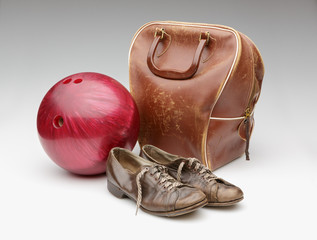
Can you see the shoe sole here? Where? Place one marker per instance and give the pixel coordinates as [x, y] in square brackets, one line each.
[119, 193]
[178, 212]
[224, 204]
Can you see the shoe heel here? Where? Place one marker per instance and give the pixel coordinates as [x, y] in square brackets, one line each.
[115, 190]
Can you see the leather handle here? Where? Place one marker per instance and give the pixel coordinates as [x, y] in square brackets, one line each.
[174, 74]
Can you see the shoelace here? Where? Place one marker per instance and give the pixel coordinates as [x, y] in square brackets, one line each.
[160, 174]
[204, 171]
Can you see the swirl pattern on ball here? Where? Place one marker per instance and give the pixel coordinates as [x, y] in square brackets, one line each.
[82, 117]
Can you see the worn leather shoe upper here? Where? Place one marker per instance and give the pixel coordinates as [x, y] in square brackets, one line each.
[150, 185]
[190, 171]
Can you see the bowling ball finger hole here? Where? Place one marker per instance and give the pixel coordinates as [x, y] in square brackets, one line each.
[78, 81]
[67, 81]
[58, 122]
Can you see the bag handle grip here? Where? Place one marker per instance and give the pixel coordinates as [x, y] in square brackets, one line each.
[174, 74]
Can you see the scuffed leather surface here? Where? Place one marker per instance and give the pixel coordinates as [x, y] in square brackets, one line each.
[217, 190]
[174, 114]
[155, 197]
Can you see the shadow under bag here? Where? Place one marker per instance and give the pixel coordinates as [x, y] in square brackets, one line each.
[195, 86]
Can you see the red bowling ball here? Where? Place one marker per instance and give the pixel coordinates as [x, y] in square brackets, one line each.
[82, 117]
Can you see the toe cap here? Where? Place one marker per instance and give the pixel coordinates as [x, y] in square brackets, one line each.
[228, 193]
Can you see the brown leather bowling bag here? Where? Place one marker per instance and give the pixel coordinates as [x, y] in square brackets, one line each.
[196, 86]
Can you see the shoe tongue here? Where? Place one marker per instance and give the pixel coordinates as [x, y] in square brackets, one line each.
[174, 164]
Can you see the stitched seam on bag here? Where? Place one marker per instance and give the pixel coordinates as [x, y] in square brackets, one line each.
[234, 63]
[230, 118]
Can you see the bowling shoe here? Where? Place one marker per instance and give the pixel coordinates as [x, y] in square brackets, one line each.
[150, 185]
[190, 171]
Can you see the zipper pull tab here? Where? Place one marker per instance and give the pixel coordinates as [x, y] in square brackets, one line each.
[247, 113]
[247, 132]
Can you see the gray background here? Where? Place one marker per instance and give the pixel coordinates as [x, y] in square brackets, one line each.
[42, 42]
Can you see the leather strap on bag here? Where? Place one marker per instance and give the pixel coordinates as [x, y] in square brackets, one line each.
[204, 40]
[247, 132]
